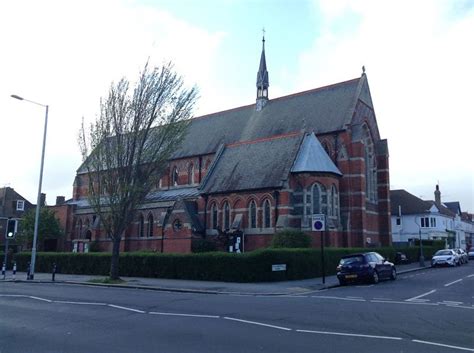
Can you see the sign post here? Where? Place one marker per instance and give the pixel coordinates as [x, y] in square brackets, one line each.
[318, 224]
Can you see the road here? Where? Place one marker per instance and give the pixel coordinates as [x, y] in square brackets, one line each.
[425, 311]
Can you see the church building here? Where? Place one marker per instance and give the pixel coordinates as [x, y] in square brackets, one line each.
[243, 174]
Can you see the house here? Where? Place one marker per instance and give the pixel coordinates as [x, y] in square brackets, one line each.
[12, 205]
[245, 173]
[414, 218]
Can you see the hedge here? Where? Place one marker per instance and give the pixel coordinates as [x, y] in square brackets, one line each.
[255, 266]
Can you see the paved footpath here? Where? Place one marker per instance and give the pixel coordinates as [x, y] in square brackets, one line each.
[208, 287]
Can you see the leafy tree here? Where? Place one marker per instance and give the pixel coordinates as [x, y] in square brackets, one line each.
[125, 151]
[48, 227]
[289, 238]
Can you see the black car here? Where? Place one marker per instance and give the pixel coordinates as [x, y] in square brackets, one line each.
[365, 267]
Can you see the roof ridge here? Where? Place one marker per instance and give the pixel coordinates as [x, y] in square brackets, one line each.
[264, 139]
[278, 98]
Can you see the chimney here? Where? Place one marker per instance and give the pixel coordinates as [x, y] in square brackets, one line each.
[437, 194]
[60, 200]
[43, 200]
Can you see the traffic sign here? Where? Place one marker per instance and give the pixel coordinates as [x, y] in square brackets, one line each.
[318, 223]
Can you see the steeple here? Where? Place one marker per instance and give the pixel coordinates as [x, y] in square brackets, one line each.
[262, 79]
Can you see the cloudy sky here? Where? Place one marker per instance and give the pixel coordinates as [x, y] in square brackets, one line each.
[418, 55]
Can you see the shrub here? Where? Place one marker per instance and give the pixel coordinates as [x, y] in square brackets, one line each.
[289, 238]
[203, 245]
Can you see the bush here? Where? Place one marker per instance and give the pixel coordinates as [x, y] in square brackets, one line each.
[202, 245]
[289, 238]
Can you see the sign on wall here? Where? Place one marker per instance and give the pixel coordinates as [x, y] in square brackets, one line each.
[318, 222]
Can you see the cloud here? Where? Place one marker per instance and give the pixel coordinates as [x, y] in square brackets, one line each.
[420, 71]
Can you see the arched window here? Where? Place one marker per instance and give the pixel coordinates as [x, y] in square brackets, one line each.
[226, 216]
[267, 214]
[141, 226]
[175, 176]
[252, 215]
[191, 174]
[334, 202]
[319, 199]
[149, 232]
[370, 167]
[79, 229]
[214, 216]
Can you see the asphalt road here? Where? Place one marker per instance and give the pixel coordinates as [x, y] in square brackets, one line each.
[425, 311]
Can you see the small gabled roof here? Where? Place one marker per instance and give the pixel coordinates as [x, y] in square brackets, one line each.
[313, 158]
[257, 164]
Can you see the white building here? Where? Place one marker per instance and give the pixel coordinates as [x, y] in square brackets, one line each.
[413, 218]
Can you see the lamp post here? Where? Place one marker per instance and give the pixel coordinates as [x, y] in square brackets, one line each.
[38, 201]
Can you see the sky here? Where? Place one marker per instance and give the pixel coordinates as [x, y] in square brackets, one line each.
[418, 56]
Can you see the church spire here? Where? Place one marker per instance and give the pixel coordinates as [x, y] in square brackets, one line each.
[262, 79]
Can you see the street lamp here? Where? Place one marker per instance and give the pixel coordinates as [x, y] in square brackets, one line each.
[38, 201]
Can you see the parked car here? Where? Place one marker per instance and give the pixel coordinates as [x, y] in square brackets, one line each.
[447, 257]
[365, 267]
[470, 253]
[463, 257]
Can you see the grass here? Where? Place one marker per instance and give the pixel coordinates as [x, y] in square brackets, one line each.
[106, 280]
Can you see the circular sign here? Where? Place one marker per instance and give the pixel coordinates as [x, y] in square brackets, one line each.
[318, 225]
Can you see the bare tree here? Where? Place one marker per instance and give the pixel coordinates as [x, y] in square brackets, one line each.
[125, 151]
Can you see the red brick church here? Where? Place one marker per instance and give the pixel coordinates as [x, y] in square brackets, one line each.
[260, 168]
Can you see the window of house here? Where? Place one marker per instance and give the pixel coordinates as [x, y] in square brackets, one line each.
[20, 205]
[175, 176]
[226, 216]
[141, 226]
[335, 201]
[319, 199]
[150, 225]
[266, 214]
[191, 174]
[433, 222]
[398, 221]
[252, 215]
[425, 222]
[214, 216]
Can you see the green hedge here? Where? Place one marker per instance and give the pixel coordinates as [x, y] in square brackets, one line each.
[255, 266]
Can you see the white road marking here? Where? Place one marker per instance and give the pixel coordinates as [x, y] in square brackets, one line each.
[450, 302]
[444, 345]
[460, 306]
[350, 334]
[78, 303]
[42, 299]
[470, 276]
[258, 323]
[349, 297]
[448, 284]
[14, 295]
[421, 295]
[405, 302]
[188, 315]
[125, 308]
[337, 298]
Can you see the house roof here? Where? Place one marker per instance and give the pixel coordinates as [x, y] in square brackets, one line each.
[258, 164]
[320, 110]
[313, 158]
[454, 207]
[410, 204]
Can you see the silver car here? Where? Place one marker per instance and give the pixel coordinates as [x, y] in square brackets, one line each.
[447, 257]
[463, 257]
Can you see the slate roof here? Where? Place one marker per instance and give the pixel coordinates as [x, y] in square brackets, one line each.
[313, 158]
[321, 110]
[257, 164]
[454, 207]
[410, 204]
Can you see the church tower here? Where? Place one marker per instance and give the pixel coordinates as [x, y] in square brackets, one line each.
[262, 80]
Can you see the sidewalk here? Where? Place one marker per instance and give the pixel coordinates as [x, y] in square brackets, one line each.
[206, 287]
